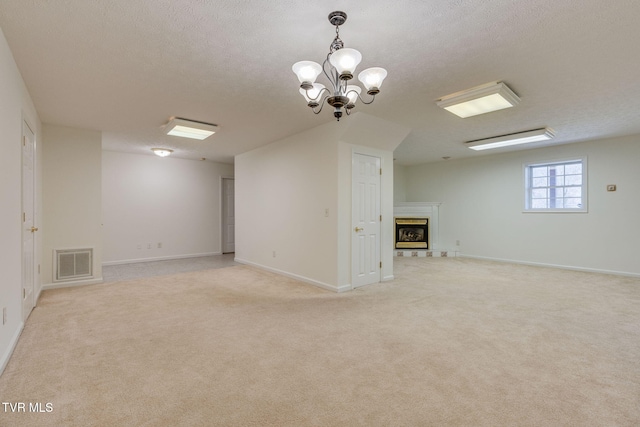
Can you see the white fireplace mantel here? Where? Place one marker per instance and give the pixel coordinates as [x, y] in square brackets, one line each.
[421, 210]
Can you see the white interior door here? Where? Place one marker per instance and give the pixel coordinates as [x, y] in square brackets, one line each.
[365, 244]
[28, 220]
[228, 216]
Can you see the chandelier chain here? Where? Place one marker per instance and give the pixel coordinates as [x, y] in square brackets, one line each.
[337, 42]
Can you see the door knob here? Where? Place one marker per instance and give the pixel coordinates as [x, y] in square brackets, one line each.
[34, 229]
[358, 229]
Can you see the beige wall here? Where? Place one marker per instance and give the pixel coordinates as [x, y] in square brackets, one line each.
[72, 201]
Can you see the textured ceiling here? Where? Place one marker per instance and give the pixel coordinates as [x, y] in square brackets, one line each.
[125, 67]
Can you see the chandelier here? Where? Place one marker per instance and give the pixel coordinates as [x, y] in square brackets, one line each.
[339, 68]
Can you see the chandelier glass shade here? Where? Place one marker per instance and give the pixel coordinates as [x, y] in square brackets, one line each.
[339, 68]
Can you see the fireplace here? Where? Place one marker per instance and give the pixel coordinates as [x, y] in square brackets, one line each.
[412, 233]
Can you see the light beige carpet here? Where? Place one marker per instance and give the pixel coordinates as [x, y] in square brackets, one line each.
[450, 342]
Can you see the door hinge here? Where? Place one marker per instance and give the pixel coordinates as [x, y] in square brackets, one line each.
[380, 171]
[24, 293]
[24, 217]
[380, 264]
[380, 218]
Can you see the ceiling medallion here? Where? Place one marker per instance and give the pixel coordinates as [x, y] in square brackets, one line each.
[339, 68]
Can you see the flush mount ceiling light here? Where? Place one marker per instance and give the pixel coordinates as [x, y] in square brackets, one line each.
[189, 128]
[479, 100]
[512, 139]
[339, 68]
[162, 152]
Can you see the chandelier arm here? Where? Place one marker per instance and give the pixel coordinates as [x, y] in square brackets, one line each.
[319, 94]
[373, 98]
[335, 79]
[346, 93]
[321, 104]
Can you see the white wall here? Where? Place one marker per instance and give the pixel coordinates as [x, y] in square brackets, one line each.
[15, 106]
[71, 196]
[483, 199]
[148, 200]
[282, 191]
[399, 183]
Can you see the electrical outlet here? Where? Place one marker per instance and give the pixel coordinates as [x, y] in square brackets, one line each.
[274, 254]
[148, 245]
[457, 242]
[139, 246]
[159, 245]
[326, 212]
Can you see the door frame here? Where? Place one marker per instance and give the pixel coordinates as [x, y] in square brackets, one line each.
[222, 213]
[33, 220]
[378, 277]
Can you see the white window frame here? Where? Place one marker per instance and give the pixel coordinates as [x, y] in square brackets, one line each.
[527, 167]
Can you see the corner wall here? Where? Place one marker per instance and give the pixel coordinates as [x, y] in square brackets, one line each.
[284, 189]
[483, 200]
[149, 201]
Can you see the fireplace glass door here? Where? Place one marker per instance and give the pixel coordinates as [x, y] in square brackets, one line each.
[412, 233]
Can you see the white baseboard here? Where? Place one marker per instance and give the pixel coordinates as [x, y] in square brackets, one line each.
[313, 282]
[343, 288]
[563, 267]
[12, 346]
[388, 278]
[72, 283]
[162, 258]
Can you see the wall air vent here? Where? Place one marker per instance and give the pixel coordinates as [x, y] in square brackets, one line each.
[72, 264]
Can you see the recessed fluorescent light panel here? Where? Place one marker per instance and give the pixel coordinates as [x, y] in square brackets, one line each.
[479, 100]
[190, 128]
[536, 135]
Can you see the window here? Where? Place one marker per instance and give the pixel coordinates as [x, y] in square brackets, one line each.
[556, 186]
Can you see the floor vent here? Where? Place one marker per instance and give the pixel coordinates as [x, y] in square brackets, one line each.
[73, 264]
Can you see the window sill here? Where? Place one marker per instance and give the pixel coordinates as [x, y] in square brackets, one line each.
[563, 211]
